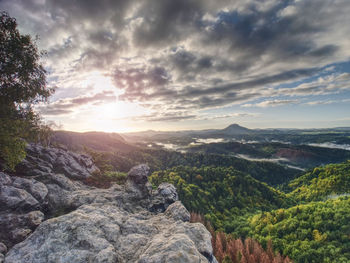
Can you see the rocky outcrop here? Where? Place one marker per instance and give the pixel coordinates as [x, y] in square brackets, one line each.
[21, 200]
[51, 218]
[43, 160]
[3, 250]
[178, 212]
[108, 233]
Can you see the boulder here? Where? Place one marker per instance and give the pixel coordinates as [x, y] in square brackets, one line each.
[16, 199]
[48, 216]
[139, 174]
[15, 227]
[20, 202]
[107, 233]
[137, 181]
[37, 189]
[168, 192]
[178, 212]
[5, 179]
[165, 195]
[3, 248]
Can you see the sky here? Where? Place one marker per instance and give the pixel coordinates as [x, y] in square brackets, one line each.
[131, 65]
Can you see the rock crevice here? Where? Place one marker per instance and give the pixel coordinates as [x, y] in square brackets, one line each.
[51, 217]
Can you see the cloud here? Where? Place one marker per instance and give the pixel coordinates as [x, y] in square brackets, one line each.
[166, 22]
[271, 103]
[326, 102]
[333, 83]
[176, 116]
[165, 117]
[67, 106]
[190, 55]
[230, 115]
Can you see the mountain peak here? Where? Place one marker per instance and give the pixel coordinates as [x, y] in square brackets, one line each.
[235, 129]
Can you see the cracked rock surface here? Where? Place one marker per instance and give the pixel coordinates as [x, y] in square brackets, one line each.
[53, 218]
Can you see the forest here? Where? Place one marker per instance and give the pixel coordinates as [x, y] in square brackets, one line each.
[308, 224]
[257, 210]
[266, 194]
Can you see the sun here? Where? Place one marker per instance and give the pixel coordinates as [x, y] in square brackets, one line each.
[112, 115]
[116, 116]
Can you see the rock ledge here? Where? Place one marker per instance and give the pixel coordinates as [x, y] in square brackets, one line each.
[51, 218]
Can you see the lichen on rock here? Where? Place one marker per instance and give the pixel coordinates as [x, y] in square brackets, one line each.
[72, 222]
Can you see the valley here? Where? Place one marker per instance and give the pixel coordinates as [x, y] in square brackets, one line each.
[286, 188]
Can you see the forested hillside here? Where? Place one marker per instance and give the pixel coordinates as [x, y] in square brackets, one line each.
[304, 216]
[221, 193]
[243, 207]
[314, 232]
[270, 173]
[304, 156]
[322, 182]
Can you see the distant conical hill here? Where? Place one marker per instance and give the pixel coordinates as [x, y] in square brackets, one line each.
[236, 129]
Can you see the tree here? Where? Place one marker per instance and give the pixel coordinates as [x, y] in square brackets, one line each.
[22, 84]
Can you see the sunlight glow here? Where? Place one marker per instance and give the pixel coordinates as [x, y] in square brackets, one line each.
[99, 81]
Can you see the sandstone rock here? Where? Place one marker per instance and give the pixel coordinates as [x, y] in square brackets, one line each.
[119, 224]
[198, 234]
[165, 195]
[175, 248]
[3, 248]
[58, 200]
[15, 227]
[59, 179]
[107, 233]
[139, 174]
[34, 218]
[36, 189]
[16, 199]
[178, 212]
[19, 234]
[137, 181]
[43, 160]
[5, 179]
[168, 191]
[20, 201]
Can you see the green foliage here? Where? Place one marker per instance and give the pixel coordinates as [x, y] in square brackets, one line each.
[220, 193]
[22, 84]
[268, 172]
[12, 148]
[322, 182]
[100, 160]
[314, 232]
[301, 155]
[238, 204]
[105, 180]
[227, 248]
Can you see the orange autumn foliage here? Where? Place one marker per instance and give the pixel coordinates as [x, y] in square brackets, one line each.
[229, 250]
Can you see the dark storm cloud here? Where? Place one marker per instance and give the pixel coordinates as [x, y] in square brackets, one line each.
[85, 10]
[257, 33]
[166, 21]
[202, 97]
[258, 81]
[190, 53]
[142, 83]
